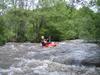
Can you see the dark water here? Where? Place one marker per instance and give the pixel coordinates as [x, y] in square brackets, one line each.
[68, 58]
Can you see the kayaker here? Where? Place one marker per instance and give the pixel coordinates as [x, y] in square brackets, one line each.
[43, 41]
[47, 42]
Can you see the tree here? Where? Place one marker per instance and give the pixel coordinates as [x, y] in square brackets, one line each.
[2, 31]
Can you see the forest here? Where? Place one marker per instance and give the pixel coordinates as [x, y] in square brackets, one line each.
[54, 18]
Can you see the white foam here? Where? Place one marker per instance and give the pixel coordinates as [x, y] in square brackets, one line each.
[31, 47]
[22, 46]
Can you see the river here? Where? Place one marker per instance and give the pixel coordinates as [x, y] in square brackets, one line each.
[74, 57]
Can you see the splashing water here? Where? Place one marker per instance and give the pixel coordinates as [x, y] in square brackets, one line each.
[68, 58]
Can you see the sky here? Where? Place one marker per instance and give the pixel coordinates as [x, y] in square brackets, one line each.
[76, 4]
[80, 4]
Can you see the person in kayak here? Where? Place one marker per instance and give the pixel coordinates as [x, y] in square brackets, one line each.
[46, 43]
[43, 41]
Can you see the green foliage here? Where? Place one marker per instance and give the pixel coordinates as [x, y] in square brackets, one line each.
[18, 23]
[97, 26]
[59, 21]
[2, 31]
[98, 2]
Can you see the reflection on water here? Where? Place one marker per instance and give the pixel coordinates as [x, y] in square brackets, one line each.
[68, 58]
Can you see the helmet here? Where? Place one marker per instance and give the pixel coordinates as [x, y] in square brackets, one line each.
[42, 37]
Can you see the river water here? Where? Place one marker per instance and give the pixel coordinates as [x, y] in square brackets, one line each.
[68, 58]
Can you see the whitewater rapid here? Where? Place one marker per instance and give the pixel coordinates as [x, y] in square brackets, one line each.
[68, 58]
